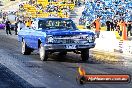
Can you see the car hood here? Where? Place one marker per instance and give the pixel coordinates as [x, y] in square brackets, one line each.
[67, 32]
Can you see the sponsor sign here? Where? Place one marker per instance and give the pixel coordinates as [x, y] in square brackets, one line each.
[83, 77]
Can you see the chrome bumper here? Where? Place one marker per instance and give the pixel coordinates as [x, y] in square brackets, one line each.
[64, 47]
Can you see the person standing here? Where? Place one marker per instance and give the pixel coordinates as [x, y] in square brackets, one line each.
[16, 26]
[87, 25]
[97, 26]
[20, 25]
[8, 30]
[112, 25]
[119, 28]
[108, 25]
[28, 23]
[129, 28]
[115, 24]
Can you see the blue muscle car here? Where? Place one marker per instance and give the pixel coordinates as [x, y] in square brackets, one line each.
[49, 35]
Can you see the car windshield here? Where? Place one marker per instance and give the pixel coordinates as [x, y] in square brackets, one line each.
[56, 24]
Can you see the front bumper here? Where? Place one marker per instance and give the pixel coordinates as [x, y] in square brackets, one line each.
[64, 46]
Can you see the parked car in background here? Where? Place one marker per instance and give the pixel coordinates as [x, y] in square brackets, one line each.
[2, 25]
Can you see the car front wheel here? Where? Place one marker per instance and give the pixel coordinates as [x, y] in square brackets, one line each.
[42, 53]
[85, 54]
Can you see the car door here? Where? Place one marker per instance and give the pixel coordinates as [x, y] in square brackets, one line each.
[27, 35]
[34, 35]
[33, 38]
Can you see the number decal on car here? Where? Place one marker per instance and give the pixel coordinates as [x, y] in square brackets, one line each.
[70, 46]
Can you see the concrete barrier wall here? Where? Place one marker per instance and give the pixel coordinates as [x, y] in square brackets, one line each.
[106, 45]
[127, 47]
[114, 46]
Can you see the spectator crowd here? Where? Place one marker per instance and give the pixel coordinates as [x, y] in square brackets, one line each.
[113, 14]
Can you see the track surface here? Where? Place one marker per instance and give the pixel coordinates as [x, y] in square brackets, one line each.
[28, 71]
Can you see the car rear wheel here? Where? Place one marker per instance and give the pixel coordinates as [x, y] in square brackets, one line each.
[42, 53]
[25, 49]
[85, 54]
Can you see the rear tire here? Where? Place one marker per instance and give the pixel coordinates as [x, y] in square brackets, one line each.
[25, 49]
[43, 53]
[85, 54]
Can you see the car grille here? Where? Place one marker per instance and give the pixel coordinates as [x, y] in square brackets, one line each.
[68, 40]
[64, 41]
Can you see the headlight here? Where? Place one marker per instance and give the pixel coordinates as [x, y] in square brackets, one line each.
[50, 40]
[93, 38]
[87, 38]
[90, 38]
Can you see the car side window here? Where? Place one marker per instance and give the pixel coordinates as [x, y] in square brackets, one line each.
[41, 24]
